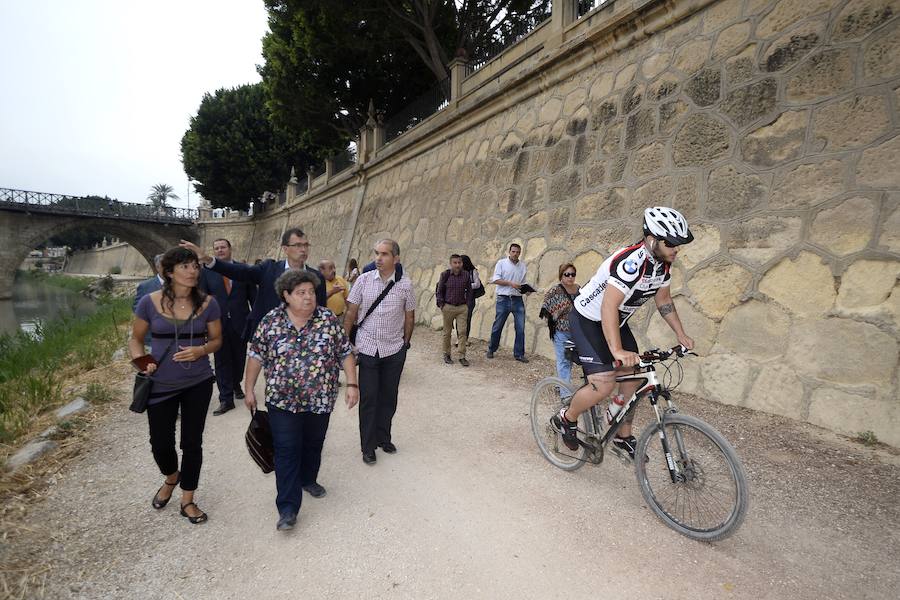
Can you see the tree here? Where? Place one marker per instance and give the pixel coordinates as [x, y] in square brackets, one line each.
[160, 194]
[325, 60]
[235, 152]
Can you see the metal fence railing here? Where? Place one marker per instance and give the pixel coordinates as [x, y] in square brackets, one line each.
[342, 161]
[586, 6]
[93, 206]
[504, 39]
[432, 101]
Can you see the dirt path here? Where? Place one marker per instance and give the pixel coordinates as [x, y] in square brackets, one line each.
[468, 508]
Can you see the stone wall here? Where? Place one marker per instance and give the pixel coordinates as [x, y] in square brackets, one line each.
[771, 124]
[99, 261]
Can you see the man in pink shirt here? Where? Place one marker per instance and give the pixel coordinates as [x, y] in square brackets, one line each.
[382, 339]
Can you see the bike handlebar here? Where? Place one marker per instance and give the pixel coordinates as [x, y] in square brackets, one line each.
[656, 355]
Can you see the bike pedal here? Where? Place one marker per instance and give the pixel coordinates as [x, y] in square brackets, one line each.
[622, 455]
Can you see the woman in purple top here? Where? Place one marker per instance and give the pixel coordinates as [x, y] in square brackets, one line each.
[185, 328]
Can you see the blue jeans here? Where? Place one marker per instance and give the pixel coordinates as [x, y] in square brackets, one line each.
[506, 305]
[298, 440]
[563, 366]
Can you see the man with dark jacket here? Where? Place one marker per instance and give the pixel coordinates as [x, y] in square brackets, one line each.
[295, 246]
[235, 299]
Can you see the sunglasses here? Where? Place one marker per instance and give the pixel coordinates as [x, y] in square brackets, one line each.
[568, 274]
[668, 244]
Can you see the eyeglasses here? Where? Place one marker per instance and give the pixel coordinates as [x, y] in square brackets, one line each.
[669, 244]
[298, 245]
[568, 274]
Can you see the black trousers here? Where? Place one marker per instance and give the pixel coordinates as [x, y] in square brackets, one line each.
[379, 379]
[298, 439]
[230, 360]
[193, 402]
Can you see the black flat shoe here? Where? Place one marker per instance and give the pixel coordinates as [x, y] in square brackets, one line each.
[369, 458]
[388, 447]
[201, 518]
[315, 490]
[158, 502]
[239, 394]
[224, 407]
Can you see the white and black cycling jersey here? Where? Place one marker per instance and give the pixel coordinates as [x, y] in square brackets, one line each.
[633, 271]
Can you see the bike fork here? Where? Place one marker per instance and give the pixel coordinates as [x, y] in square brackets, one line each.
[674, 472]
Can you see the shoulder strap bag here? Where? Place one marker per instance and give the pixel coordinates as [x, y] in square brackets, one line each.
[355, 328]
[143, 383]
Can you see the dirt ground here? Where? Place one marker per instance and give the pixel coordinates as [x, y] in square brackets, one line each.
[468, 508]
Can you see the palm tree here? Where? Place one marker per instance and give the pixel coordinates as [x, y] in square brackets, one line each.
[158, 196]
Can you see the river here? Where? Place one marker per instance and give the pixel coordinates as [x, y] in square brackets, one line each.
[35, 301]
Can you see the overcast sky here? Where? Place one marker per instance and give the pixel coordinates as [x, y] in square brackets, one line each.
[96, 94]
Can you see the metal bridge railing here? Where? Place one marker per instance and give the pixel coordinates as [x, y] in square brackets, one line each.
[93, 206]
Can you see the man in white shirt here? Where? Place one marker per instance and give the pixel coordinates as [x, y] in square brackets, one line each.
[509, 275]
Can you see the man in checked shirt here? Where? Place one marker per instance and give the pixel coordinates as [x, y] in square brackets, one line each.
[382, 341]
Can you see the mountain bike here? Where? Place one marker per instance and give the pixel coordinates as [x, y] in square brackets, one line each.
[696, 484]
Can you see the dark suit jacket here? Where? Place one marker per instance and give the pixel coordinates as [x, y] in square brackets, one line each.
[235, 306]
[264, 275]
[148, 286]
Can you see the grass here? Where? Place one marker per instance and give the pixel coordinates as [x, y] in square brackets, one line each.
[33, 369]
[75, 284]
[867, 438]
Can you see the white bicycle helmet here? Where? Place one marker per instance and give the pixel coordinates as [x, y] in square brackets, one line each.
[667, 224]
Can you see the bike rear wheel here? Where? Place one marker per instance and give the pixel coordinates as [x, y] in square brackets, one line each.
[546, 402]
[710, 500]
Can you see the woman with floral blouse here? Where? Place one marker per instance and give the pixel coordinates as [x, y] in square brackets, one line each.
[302, 348]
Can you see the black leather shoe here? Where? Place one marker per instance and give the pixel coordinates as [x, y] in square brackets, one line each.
[315, 490]
[286, 522]
[489, 354]
[447, 359]
[224, 407]
[238, 394]
[464, 362]
[521, 359]
[388, 447]
[369, 458]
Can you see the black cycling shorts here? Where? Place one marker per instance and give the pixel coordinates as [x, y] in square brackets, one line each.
[591, 345]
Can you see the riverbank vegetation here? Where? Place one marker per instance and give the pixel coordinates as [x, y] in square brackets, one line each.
[35, 367]
[75, 284]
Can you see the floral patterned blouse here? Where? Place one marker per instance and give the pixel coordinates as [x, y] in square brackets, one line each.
[301, 366]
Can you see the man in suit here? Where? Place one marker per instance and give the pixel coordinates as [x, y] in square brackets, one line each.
[148, 286]
[235, 299]
[295, 246]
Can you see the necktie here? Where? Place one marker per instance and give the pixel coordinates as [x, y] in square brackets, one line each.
[227, 283]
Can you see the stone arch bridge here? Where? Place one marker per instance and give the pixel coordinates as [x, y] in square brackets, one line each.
[29, 218]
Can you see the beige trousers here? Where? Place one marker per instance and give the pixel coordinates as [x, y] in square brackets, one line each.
[456, 313]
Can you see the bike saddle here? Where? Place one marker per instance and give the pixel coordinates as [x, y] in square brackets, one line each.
[571, 352]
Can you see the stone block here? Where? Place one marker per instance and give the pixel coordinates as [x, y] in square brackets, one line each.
[511, 226]
[732, 193]
[813, 297]
[787, 50]
[610, 141]
[655, 64]
[640, 127]
[686, 198]
[846, 228]
[648, 160]
[74, 407]
[778, 141]
[760, 239]
[788, 12]
[867, 283]
[746, 104]
[725, 378]
[602, 86]
[565, 186]
[560, 156]
[843, 351]
[573, 102]
[696, 325]
[663, 88]
[878, 165]
[859, 17]
[625, 76]
[850, 123]
[754, 329]
[807, 185]
[617, 166]
[730, 39]
[548, 272]
[595, 174]
[692, 55]
[578, 123]
[602, 113]
[704, 88]
[852, 414]
[822, 74]
[778, 391]
[721, 13]
[741, 67]
[586, 265]
[882, 56]
[550, 111]
[29, 453]
[558, 225]
[702, 139]
[584, 149]
[707, 243]
[890, 232]
[534, 247]
[601, 206]
[718, 286]
[670, 115]
[535, 222]
[632, 98]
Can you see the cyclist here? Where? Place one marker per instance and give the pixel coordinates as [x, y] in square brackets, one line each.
[599, 328]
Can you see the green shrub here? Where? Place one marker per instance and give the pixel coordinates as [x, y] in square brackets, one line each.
[115, 270]
[97, 393]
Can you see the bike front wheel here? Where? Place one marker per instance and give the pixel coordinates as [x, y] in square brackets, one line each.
[709, 498]
[546, 401]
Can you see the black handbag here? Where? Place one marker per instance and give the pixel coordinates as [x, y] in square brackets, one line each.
[143, 385]
[259, 441]
[384, 292]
